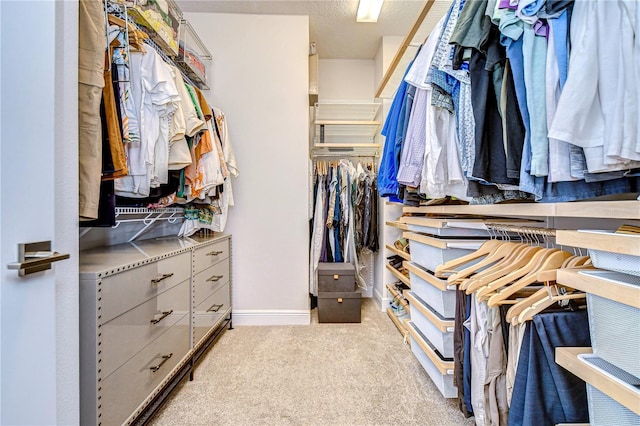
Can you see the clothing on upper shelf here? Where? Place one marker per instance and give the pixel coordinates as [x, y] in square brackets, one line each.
[345, 219]
[519, 100]
[162, 143]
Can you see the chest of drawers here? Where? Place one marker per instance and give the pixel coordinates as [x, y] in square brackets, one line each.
[146, 309]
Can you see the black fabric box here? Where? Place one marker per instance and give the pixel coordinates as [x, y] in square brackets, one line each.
[339, 306]
[336, 277]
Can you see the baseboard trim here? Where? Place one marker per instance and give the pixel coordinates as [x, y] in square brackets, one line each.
[382, 300]
[271, 317]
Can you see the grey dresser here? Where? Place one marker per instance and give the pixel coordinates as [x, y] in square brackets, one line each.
[148, 311]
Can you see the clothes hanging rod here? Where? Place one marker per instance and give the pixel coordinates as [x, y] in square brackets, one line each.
[526, 230]
[345, 155]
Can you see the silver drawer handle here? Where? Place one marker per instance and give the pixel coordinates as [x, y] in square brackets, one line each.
[165, 358]
[164, 315]
[161, 277]
[216, 306]
[214, 253]
[215, 278]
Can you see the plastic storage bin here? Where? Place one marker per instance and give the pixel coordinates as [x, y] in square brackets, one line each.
[437, 330]
[437, 293]
[614, 332]
[430, 252]
[440, 370]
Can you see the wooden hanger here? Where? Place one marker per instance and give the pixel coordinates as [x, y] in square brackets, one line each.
[548, 277]
[503, 268]
[539, 306]
[496, 267]
[515, 310]
[534, 261]
[498, 253]
[579, 261]
[553, 261]
[133, 31]
[451, 265]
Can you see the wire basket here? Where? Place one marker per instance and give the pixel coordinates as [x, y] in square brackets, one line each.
[604, 410]
[625, 263]
[613, 327]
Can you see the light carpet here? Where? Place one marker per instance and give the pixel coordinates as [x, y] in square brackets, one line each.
[321, 374]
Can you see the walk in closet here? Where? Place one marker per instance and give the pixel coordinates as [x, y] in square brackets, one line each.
[180, 175]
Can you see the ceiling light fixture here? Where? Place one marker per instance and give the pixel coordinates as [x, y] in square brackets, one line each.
[369, 10]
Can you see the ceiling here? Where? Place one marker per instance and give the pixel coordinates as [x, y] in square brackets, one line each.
[332, 23]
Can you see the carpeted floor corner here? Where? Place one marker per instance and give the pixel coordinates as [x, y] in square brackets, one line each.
[321, 374]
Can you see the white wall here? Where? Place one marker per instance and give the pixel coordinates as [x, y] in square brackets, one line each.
[345, 79]
[259, 78]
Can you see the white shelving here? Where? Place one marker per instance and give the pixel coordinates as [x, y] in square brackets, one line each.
[144, 216]
[345, 127]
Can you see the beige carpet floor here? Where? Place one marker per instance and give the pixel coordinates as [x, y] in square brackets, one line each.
[321, 374]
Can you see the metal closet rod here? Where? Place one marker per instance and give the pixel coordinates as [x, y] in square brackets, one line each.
[499, 227]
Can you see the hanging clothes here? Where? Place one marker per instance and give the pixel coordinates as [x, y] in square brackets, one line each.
[530, 121]
[345, 216]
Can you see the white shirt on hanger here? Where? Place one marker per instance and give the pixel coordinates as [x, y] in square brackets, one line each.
[586, 114]
[154, 93]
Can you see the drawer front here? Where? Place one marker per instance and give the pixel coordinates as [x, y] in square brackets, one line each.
[210, 311]
[131, 384]
[121, 292]
[173, 270]
[210, 255]
[207, 281]
[127, 334]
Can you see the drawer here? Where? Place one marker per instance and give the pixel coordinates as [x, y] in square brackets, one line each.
[207, 281]
[131, 384]
[208, 313]
[437, 293]
[439, 369]
[121, 292]
[430, 252]
[613, 328]
[207, 256]
[127, 334]
[444, 227]
[438, 330]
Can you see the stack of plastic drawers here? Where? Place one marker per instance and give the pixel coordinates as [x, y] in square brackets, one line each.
[614, 336]
[433, 300]
[612, 370]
